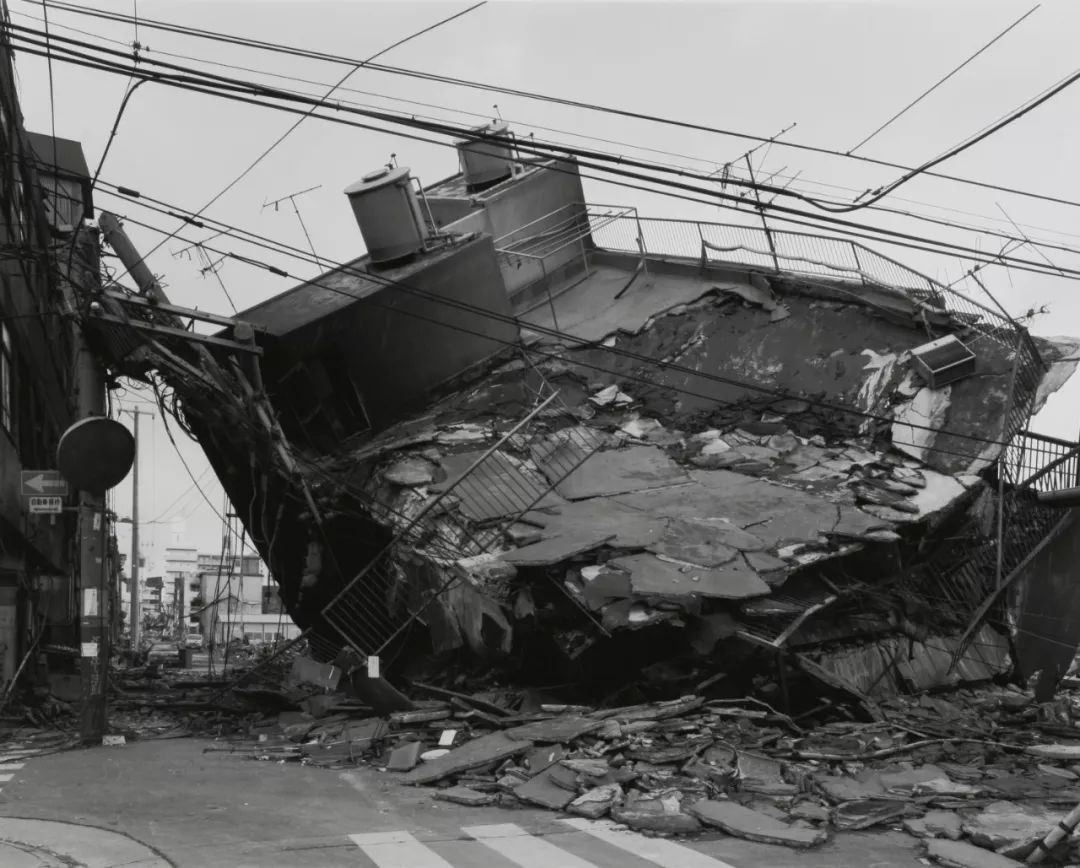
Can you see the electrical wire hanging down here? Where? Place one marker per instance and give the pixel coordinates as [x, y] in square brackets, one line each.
[220, 86]
[279, 48]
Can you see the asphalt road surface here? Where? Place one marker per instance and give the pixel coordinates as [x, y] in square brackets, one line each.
[169, 802]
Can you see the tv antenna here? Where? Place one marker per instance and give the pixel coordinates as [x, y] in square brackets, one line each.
[292, 197]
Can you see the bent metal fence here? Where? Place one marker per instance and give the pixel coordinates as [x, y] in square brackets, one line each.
[465, 516]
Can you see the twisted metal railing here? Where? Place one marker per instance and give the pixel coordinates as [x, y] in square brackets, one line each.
[467, 515]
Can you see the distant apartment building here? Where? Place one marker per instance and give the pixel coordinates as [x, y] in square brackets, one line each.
[235, 602]
[181, 579]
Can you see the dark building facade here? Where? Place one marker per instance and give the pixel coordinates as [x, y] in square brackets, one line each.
[44, 200]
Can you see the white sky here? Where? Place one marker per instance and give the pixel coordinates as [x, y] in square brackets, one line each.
[836, 69]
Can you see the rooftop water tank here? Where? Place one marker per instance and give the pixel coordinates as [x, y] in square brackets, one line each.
[486, 162]
[388, 214]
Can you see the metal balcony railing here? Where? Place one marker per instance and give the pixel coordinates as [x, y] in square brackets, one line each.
[467, 516]
[1043, 463]
[542, 251]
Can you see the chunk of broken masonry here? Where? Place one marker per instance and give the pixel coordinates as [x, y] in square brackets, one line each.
[596, 802]
[478, 752]
[935, 824]
[406, 757]
[655, 821]
[1009, 828]
[754, 826]
[465, 796]
[957, 854]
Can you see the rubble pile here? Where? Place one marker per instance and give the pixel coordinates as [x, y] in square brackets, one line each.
[986, 769]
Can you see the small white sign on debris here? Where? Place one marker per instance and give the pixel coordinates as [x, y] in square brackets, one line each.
[373, 667]
[88, 649]
[113, 741]
[447, 738]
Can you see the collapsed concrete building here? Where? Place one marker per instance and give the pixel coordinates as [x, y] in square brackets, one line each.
[572, 438]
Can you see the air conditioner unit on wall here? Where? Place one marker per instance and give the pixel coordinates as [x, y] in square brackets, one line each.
[943, 361]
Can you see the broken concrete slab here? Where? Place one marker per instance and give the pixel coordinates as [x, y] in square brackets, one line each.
[958, 854]
[763, 775]
[1009, 828]
[363, 733]
[603, 585]
[556, 549]
[544, 791]
[811, 812]
[565, 728]
[655, 821]
[473, 754]
[465, 796]
[694, 542]
[935, 824]
[780, 515]
[588, 767]
[752, 825]
[406, 757]
[616, 471]
[543, 757]
[651, 576]
[596, 802]
[304, 670]
[631, 528]
[864, 813]
[925, 780]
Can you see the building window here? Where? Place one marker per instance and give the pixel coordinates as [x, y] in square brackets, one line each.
[6, 359]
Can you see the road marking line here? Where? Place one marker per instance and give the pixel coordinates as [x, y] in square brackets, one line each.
[6, 778]
[665, 853]
[12, 767]
[523, 849]
[398, 850]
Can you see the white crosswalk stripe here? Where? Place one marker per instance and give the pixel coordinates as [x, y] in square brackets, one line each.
[661, 851]
[517, 846]
[521, 848]
[398, 850]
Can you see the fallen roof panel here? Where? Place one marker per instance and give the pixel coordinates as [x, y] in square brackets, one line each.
[649, 575]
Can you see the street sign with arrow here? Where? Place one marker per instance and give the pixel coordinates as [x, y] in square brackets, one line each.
[36, 483]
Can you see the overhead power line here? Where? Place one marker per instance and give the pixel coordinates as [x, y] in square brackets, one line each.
[274, 145]
[220, 86]
[941, 81]
[608, 141]
[280, 48]
[564, 338]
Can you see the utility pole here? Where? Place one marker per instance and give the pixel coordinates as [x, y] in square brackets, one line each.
[93, 567]
[136, 625]
[92, 575]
